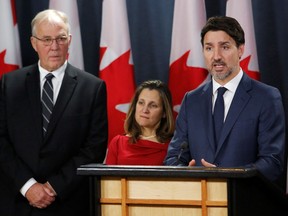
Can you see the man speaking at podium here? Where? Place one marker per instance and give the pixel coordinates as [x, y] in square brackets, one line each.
[232, 120]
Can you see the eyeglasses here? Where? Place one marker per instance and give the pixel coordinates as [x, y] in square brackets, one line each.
[49, 41]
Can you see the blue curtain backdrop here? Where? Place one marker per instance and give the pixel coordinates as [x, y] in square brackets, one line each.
[150, 24]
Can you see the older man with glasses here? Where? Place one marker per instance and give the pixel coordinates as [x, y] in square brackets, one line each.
[53, 119]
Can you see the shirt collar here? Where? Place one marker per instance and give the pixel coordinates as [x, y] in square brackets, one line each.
[231, 85]
[57, 73]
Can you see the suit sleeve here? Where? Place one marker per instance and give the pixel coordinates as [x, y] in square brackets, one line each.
[271, 137]
[180, 136]
[15, 170]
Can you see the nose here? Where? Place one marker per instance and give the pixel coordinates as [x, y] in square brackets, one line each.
[54, 45]
[145, 109]
[217, 54]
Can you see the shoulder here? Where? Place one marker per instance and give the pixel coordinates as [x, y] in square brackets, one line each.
[118, 143]
[22, 71]
[82, 75]
[258, 88]
[21, 74]
[118, 139]
[198, 95]
[201, 90]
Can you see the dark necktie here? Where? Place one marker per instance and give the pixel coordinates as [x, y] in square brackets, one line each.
[47, 101]
[218, 115]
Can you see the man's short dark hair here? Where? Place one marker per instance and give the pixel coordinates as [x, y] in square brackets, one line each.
[226, 24]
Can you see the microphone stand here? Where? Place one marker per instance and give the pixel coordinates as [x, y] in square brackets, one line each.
[184, 146]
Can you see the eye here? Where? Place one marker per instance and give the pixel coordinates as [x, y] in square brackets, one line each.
[208, 48]
[153, 106]
[47, 40]
[226, 47]
[140, 102]
[61, 39]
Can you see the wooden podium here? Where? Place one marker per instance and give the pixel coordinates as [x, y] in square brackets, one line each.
[180, 191]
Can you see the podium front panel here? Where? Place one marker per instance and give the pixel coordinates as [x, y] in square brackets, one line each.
[128, 196]
[181, 191]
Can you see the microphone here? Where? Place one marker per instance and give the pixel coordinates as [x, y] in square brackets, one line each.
[184, 146]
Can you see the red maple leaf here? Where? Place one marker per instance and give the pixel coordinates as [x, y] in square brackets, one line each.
[183, 78]
[119, 79]
[244, 65]
[5, 68]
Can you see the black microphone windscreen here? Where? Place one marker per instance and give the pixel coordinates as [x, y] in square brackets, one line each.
[184, 145]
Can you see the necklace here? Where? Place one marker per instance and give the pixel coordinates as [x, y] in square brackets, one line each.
[147, 137]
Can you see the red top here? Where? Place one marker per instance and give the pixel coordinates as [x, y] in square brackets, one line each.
[144, 152]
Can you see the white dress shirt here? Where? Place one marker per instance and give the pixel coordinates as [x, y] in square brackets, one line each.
[231, 87]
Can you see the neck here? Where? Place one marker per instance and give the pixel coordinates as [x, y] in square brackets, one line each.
[147, 137]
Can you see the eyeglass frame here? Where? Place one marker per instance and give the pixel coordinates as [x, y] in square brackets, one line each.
[47, 41]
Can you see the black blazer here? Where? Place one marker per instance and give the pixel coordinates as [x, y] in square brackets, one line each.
[77, 134]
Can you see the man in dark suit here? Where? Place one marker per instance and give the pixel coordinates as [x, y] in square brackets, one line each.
[40, 151]
[251, 130]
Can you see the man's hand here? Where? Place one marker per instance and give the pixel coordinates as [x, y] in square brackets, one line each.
[40, 196]
[207, 164]
[204, 163]
[192, 163]
[49, 189]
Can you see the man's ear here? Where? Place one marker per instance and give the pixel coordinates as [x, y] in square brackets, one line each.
[33, 43]
[240, 50]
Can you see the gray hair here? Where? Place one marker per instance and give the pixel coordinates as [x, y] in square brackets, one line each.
[51, 16]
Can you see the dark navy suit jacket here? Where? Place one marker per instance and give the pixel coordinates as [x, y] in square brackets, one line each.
[253, 133]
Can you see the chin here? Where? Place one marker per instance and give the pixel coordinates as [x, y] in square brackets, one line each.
[55, 66]
[221, 75]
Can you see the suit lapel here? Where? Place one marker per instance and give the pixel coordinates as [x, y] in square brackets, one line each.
[207, 105]
[239, 102]
[33, 89]
[67, 88]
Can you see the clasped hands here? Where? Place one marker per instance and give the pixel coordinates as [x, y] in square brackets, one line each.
[204, 163]
[40, 195]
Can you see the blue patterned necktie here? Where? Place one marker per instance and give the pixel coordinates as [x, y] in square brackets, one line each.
[47, 101]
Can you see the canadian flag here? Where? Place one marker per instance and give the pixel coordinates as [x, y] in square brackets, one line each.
[116, 65]
[242, 12]
[10, 55]
[71, 9]
[187, 68]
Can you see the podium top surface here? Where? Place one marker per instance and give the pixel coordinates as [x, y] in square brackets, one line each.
[166, 171]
